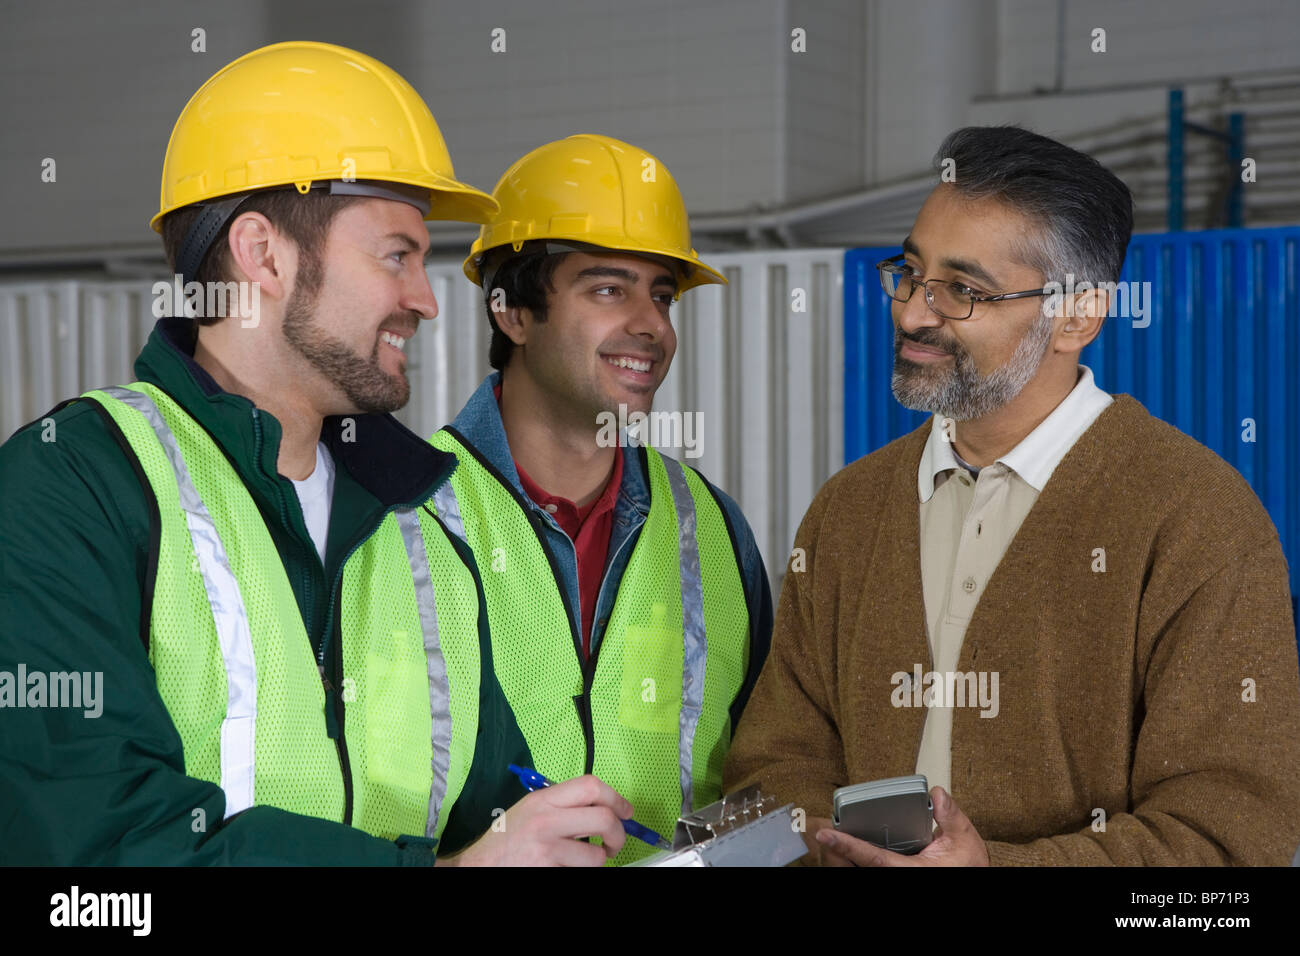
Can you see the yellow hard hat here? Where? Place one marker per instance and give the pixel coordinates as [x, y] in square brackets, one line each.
[591, 191]
[304, 113]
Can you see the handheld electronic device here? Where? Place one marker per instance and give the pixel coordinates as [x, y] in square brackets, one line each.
[895, 813]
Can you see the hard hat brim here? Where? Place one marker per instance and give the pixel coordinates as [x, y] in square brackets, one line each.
[449, 200]
[700, 272]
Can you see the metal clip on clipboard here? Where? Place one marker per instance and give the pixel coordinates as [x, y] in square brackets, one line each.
[745, 828]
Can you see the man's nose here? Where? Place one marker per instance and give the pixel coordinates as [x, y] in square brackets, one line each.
[647, 320]
[419, 297]
[914, 313]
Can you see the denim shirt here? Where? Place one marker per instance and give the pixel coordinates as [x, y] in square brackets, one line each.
[480, 424]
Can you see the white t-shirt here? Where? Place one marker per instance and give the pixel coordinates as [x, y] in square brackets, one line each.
[315, 493]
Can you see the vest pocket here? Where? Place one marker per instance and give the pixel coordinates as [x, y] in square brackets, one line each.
[650, 694]
[390, 692]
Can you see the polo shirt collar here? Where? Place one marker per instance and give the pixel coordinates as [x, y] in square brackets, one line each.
[1037, 455]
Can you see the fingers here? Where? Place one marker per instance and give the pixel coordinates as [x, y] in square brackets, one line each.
[586, 792]
[575, 823]
[860, 852]
[947, 815]
[821, 852]
[537, 834]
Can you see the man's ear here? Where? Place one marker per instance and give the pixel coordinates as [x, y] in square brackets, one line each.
[1085, 312]
[512, 320]
[261, 254]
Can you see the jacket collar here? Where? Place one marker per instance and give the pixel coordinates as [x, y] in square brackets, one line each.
[480, 423]
[385, 458]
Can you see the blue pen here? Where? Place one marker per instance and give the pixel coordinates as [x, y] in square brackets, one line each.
[535, 781]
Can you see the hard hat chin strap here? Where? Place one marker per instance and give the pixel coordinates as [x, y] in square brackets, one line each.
[214, 215]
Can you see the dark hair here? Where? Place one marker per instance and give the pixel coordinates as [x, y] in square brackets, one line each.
[1084, 212]
[305, 219]
[526, 281]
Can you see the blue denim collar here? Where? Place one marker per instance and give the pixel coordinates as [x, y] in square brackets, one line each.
[480, 422]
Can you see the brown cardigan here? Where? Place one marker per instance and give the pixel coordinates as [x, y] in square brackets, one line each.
[1120, 690]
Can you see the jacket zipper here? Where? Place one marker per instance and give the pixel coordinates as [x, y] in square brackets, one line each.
[279, 500]
[583, 701]
[622, 544]
[333, 693]
[589, 667]
[331, 672]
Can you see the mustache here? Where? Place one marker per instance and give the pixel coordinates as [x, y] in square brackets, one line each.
[925, 337]
[634, 347]
[406, 322]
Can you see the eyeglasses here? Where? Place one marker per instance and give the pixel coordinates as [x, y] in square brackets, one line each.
[948, 300]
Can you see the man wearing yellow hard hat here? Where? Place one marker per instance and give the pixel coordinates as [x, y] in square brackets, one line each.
[630, 609]
[235, 632]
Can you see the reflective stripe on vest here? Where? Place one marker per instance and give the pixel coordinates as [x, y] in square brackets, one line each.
[226, 632]
[239, 726]
[439, 689]
[694, 644]
[672, 658]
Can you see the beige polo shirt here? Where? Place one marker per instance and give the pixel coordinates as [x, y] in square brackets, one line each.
[967, 524]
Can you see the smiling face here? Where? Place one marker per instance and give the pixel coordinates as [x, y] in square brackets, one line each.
[348, 319]
[967, 369]
[606, 340]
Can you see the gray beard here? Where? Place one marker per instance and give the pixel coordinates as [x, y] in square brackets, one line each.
[362, 380]
[960, 392]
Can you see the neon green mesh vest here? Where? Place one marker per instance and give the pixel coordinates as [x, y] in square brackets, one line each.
[235, 665]
[652, 718]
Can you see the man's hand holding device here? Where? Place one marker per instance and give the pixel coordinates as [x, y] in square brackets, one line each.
[887, 823]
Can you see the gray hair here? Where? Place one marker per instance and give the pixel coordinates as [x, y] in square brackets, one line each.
[1083, 213]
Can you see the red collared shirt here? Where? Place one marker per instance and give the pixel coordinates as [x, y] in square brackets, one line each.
[589, 528]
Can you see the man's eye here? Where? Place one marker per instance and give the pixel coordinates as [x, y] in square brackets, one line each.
[400, 255]
[665, 298]
[613, 289]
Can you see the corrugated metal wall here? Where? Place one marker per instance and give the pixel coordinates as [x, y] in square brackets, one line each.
[768, 381]
[1222, 346]
[759, 360]
[58, 339]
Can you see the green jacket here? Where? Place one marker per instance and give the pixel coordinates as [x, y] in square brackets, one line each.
[76, 549]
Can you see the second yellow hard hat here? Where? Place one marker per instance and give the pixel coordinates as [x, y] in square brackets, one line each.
[595, 191]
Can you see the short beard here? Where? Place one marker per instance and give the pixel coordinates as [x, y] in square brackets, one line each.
[367, 386]
[962, 393]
